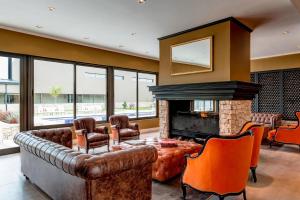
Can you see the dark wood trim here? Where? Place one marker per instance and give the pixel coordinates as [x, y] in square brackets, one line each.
[137, 95]
[232, 19]
[228, 90]
[10, 150]
[30, 90]
[110, 92]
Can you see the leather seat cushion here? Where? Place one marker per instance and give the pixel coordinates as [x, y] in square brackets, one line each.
[126, 132]
[94, 137]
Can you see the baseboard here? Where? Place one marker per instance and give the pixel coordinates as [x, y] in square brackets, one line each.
[150, 130]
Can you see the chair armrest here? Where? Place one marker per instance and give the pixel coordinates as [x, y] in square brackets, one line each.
[101, 129]
[133, 126]
[81, 132]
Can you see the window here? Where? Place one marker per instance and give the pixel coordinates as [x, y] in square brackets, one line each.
[147, 103]
[91, 92]
[53, 87]
[56, 83]
[125, 93]
[204, 105]
[9, 100]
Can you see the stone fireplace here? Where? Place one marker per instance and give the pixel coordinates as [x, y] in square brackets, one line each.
[234, 108]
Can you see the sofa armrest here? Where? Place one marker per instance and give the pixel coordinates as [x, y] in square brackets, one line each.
[101, 129]
[118, 162]
[134, 126]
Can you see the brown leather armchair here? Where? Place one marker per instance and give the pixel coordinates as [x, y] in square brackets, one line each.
[123, 130]
[90, 136]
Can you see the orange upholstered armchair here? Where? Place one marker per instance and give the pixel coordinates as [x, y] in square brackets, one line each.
[122, 130]
[90, 136]
[285, 134]
[221, 167]
[258, 132]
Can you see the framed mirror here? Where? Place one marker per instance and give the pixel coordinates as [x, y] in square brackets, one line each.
[192, 57]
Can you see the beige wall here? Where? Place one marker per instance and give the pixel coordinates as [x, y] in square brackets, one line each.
[276, 63]
[15, 42]
[230, 62]
[21, 43]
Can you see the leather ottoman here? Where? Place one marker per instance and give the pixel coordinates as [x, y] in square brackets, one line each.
[170, 160]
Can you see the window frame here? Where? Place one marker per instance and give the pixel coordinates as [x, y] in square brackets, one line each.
[109, 90]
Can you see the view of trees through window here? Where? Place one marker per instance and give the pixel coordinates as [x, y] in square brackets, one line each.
[125, 93]
[9, 100]
[204, 105]
[131, 101]
[53, 93]
[91, 92]
[147, 103]
[54, 87]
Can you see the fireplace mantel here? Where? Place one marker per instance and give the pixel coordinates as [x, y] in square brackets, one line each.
[228, 90]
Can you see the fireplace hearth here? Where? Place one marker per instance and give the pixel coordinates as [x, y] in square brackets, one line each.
[177, 117]
[186, 123]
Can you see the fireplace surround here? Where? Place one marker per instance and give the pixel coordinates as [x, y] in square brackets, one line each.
[234, 97]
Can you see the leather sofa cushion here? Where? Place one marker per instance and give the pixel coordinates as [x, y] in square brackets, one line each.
[94, 137]
[61, 136]
[126, 132]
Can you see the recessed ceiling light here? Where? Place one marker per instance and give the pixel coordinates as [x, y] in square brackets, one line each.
[51, 8]
[285, 32]
[38, 26]
[141, 1]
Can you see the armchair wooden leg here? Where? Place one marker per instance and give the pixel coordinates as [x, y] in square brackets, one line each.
[299, 148]
[253, 171]
[183, 187]
[244, 194]
[108, 146]
[221, 197]
[87, 150]
[78, 148]
[271, 143]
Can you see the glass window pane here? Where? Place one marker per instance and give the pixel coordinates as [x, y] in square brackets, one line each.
[3, 68]
[147, 102]
[91, 92]
[9, 101]
[125, 93]
[203, 105]
[53, 93]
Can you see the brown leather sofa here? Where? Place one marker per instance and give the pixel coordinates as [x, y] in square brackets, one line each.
[64, 173]
[269, 120]
[122, 130]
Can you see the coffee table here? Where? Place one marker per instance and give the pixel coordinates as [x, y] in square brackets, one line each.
[170, 162]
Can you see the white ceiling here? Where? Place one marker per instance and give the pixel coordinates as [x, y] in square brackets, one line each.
[132, 28]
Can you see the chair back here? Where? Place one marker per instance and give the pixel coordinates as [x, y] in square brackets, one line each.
[88, 124]
[222, 166]
[121, 120]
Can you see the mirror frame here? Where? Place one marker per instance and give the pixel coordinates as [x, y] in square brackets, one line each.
[210, 69]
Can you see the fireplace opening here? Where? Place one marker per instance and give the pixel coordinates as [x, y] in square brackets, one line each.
[193, 119]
